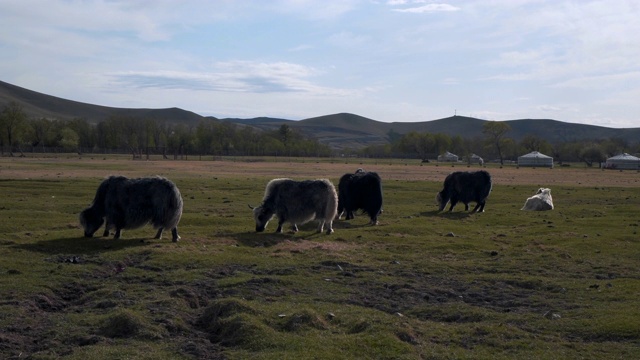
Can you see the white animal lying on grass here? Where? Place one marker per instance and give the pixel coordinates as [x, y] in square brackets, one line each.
[541, 201]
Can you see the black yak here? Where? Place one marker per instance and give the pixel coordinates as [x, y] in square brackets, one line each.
[541, 201]
[465, 187]
[362, 190]
[297, 202]
[132, 203]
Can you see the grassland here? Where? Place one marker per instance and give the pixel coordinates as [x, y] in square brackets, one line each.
[502, 284]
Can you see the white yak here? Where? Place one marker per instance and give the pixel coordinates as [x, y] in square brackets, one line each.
[541, 201]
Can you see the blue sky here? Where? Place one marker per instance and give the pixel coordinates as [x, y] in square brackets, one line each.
[396, 60]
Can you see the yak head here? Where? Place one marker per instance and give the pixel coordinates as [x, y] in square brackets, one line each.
[440, 201]
[91, 221]
[262, 215]
[544, 191]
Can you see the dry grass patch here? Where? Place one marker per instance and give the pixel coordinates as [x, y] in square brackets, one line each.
[300, 246]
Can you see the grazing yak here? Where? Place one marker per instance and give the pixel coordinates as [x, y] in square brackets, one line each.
[541, 201]
[297, 202]
[132, 203]
[362, 190]
[465, 187]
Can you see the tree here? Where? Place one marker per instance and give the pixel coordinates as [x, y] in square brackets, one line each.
[459, 147]
[12, 121]
[69, 139]
[614, 146]
[592, 154]
[442, 143]
[531, 143]
[561, 151]
[84, 131]
[496, 132]
[39, 132]
[285, 135]
[421, 144]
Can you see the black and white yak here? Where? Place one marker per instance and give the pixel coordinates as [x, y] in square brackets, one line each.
[132, 203]
[297, 202]
[465, 187]
[362, 190]
[541, 201]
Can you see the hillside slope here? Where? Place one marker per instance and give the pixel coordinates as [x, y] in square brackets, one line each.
[36, 104]
[340, 131]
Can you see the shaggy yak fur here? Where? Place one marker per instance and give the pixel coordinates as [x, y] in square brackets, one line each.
[541, 201]
[362, 190]
[132, 203]
[465, 187]
[297, 202]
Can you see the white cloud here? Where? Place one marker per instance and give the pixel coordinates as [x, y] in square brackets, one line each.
[302, 47]
[549, 108]
[601, 82]
[451, 81]
[347, 39]
[578, 58]
[430, 8]
[234, 76]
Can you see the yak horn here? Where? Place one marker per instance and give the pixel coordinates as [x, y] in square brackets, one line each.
[251, 207]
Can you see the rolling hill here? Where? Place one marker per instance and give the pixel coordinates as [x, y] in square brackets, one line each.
[36, 104]
[339, 131]
[353, 131]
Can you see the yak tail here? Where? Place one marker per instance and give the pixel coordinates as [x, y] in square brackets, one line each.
[332, 206]
[171, 211]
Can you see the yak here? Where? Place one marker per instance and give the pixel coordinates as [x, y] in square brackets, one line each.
[465, 187]
[297, 202]
[362, 190]
[541, 201]
[132, 203]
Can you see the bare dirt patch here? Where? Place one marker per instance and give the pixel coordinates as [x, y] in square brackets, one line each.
[55, 168]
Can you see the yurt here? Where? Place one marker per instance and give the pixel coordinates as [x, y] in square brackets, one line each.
[447, 156]
[623, 162]
[475, 159]
[535, 159]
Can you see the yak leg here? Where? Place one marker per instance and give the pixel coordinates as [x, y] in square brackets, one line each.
[350, 215]
[329, 227]
[117, 235]
[174, 234]
[107, 225]
[479, 207]
[159, 234]
[280, 223]
[453, 203]
[466, 207]
[320, 226]
[294, 228]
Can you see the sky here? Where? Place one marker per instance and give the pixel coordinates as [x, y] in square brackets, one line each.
[387, 60]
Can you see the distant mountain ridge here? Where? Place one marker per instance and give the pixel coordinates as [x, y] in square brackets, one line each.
[342, 130]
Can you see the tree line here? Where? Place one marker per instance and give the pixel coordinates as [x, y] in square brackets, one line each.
[141, 137]
[495, 145]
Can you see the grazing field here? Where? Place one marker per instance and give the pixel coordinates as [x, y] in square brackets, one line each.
[501, 284]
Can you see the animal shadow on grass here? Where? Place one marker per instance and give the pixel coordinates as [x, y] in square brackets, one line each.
[82, 245]
[270, 238]
[454, 215]
[349, 224]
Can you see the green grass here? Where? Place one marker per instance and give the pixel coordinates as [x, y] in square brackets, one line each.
[500, 284]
